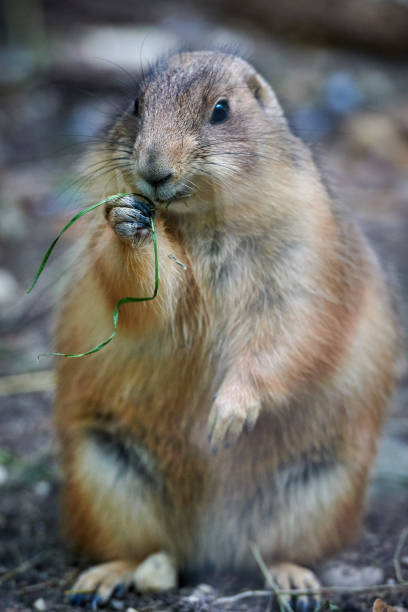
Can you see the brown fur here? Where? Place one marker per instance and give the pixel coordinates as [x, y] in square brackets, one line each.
[282, 315]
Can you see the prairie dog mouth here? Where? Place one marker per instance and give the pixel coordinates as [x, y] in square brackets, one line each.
[180, 195]
[162, 194]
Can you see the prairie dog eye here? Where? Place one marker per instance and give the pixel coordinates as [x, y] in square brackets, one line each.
[136, 107]
[220, 112]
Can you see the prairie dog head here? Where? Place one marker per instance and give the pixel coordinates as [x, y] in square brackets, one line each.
[199, 121]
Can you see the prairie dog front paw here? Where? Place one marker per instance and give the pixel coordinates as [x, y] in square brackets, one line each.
[229, 418]
[129, 217]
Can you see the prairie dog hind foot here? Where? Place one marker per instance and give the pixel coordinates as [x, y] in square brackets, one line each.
[288, 576]
[98, 584]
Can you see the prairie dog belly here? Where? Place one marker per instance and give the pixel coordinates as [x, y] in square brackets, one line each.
[144, 465]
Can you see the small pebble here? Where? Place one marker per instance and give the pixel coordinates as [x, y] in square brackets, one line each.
[202, 591]
[40, 604]
[131, 610]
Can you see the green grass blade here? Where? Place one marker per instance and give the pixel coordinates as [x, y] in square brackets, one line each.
[68, 225]
[124, 300]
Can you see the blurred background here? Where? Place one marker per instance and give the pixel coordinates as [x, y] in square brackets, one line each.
[340, 70]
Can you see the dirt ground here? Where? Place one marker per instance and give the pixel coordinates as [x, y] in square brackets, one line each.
[51, 105]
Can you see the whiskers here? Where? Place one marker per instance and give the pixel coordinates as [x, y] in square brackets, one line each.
[188, 186]
[98, 172]
[213, 164]
[223, 171]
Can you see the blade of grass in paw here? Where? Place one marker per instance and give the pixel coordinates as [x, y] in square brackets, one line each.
[68, 225]
[124, 300]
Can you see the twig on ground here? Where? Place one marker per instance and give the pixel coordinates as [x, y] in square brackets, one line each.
[41, 586]
[396, 561]
[281, 596]
[29, 382]
[375, 588]
[24, 566]
[395, 588]
[242, 595]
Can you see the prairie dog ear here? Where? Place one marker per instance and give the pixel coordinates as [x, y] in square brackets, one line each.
[264, 95]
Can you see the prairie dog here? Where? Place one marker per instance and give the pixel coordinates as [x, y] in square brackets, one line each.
[244, 403]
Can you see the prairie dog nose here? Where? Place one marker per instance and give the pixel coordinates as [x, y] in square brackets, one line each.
[154, 170]
[157, 176]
